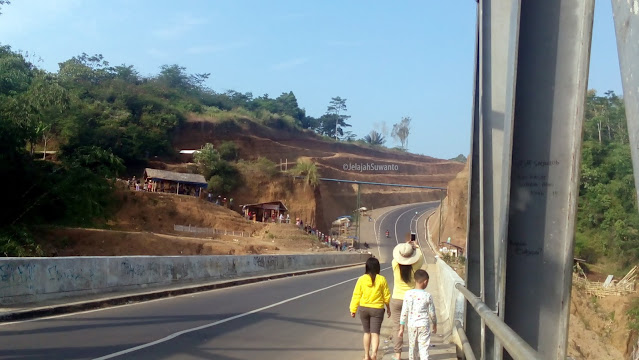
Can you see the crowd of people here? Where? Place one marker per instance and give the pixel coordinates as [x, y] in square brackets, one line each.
[162, 186]
[219, 200]
[172, 188]
[329, 240]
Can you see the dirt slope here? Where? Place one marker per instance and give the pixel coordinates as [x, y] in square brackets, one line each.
[454, 214]
[598, 327]
[331, 199]
[158, 212]
[143, 225]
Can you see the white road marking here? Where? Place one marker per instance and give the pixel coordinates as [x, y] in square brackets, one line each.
[174, 335]
[402, 214]
[378, 233]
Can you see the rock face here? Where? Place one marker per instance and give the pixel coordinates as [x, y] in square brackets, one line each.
[453, 212]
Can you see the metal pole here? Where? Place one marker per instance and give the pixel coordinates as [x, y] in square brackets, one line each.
[473, 323]
[627, 29]
[517, 347]
[466, 348]
[441, 209]
[358, 215]
[499, 33]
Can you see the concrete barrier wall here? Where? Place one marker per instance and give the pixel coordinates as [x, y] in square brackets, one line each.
[29, 280]
[453, 300]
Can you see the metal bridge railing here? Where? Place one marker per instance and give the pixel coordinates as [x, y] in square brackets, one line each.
[513, 343]
[466, 348]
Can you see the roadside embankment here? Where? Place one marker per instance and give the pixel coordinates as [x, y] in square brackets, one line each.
[32, 280]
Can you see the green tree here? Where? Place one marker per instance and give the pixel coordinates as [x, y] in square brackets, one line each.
[216, 184]
[176, 77]
[207, 158]
[607, 217]
[231, 177]
[311, 123]
[335, 117]
[17, 72]
[84, 69]
[288, 105]
[401, 130]
[228, 151]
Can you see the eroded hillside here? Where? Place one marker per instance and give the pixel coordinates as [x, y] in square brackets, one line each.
[337, 160]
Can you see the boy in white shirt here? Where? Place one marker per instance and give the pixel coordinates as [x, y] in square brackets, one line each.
[418, 314]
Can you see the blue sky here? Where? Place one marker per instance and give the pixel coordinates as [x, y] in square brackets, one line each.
[388, 59]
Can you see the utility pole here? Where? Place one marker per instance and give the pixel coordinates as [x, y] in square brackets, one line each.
[441, 209]
[358, 216]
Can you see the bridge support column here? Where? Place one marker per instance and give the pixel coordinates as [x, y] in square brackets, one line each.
[626, 15]
[532, 71]
[498, 24]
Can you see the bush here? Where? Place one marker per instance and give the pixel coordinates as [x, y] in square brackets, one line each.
[276, 121]
[17, 241]
[228, 151]
[633, 315]
[266, 167]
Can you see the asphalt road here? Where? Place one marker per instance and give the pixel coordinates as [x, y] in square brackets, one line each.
[304, 317]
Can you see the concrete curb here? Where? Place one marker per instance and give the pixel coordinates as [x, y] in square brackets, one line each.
[79, 306]
[428, 239]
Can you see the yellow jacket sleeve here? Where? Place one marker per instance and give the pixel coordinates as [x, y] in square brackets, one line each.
[357, 295]
[387, 294]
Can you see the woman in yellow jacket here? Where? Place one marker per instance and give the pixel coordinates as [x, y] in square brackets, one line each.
[371, 295]
[407, 258]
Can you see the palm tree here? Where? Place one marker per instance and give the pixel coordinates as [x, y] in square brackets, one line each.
[309, 171]
[375, 138]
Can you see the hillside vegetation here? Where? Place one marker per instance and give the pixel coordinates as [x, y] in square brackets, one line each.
[607, 218]
[104, 122]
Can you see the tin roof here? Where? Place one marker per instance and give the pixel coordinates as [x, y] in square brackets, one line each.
[175, 176]
[262, 205]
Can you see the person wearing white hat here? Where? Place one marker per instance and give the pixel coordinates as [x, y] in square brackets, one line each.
[407, 258]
